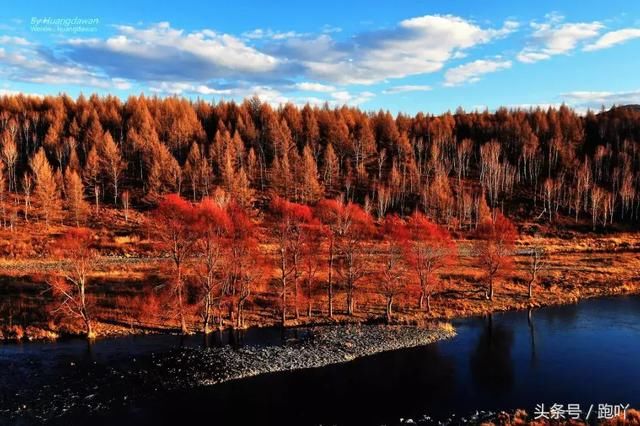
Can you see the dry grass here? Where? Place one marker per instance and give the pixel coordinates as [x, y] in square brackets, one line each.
[580, 266]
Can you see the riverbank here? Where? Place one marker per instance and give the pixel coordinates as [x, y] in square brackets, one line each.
[466, 300]
[126, 295]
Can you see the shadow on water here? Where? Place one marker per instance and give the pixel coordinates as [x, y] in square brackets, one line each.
[491, 365]
[532, 334]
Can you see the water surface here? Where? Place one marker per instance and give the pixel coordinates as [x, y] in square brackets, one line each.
[588, 353]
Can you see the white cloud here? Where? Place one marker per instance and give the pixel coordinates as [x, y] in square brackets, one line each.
[169, 60]
[260, 33]
[327, 29]
[596, 99]
[614, 37]
[32, 65]
[162, 53]
[336, 99]
[415, 46]
[555, 38]
[406, 88]
[314, 87]
[203, 89]
[530, 56]
[265, 93]
[121, 83]
[543, 105]
[344, 97]
[20, 41]
[11, 92]
[472, 71]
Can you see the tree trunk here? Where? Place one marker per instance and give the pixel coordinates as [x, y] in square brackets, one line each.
[284, 302]
[89, 328]
[531, 289]
[283, 282]
[309, 300]
[350, 301]
[429, 302]
[389, 309]
[240, 321]
[207, 313]
[330, 289]
[295, 294]
[183, 322]
[421, 300]
[491, 289]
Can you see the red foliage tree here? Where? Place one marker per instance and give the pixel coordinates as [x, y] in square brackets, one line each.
[429, 250]
[357, 228]
[392, 275]
[311, 247]
[75, 246]
[290, 224]
[494, 249]
[245, 263]
[328, 211]
[212, 228]
[348, 225]
[172, 224]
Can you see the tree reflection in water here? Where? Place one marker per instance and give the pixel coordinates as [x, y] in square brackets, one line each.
[491, 363]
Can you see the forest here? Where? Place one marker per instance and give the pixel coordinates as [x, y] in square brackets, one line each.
[248, 214]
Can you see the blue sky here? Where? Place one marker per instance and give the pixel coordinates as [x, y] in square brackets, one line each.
[404, 56]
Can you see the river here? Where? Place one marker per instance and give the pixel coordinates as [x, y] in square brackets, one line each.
[587, 353]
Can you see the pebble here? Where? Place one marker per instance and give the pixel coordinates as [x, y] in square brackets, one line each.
[187, 367]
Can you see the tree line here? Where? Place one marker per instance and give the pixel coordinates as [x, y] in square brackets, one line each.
[72, 156]
[221, 258]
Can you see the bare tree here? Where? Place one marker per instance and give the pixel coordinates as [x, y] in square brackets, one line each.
[112, 163]
[537, 262]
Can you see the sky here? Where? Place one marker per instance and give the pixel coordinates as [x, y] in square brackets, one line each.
[401, 56]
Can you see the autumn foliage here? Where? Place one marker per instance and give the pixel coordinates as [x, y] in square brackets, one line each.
[430, 250]
[553, 162]
[70, 286]
[494, 249]
[257, 211]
